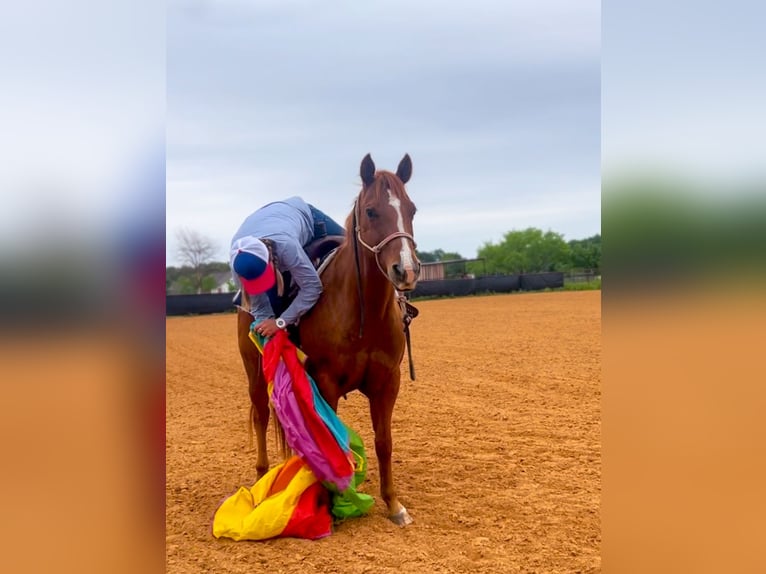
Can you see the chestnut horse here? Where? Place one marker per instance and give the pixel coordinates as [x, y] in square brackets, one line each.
[354, 335]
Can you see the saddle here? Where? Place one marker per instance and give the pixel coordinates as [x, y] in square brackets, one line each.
[319, 249]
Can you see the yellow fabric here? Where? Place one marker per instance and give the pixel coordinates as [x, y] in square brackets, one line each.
[251, 514]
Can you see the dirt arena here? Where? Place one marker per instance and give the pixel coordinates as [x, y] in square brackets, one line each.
[496, 446]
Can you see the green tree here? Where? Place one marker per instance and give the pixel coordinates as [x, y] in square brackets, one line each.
[428, 256]
[586, 253]
[208, 284]
[185, 285]
[527, 251]
[186, 280]
[216, 267]
[453, 269]
[169, 278]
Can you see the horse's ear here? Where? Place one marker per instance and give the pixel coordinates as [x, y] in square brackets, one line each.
[367, 170]
[404, 171]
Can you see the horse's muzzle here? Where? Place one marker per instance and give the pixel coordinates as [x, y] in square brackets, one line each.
[404, 278]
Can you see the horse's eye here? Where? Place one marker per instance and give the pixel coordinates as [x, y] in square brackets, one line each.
[371, 213]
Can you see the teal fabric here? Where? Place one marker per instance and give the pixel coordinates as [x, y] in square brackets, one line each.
[330, 418]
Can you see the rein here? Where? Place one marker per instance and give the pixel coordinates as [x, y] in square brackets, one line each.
[358, 279]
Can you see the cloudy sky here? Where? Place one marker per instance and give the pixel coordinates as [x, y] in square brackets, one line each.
[497, 102]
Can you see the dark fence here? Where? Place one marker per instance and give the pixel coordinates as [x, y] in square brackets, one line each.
[458, 287]
[221, 302]
[538, 281]
[581, 277]
[490, 284]
[198, 304]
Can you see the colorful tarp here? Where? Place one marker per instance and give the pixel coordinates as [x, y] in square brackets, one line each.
[312, 429]
[290, 500]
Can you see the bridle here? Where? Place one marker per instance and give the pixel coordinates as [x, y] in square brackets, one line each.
[375, 250]
[379, 247]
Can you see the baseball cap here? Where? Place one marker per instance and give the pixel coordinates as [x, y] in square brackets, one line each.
[250, 261]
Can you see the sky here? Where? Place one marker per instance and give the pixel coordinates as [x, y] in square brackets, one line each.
[497, 103]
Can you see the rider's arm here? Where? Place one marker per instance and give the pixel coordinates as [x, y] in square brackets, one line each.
[294, 259]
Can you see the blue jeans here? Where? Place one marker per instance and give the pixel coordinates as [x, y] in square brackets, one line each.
[324, 224]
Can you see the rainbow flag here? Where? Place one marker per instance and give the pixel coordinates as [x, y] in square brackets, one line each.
[298, 497]
[312, 429]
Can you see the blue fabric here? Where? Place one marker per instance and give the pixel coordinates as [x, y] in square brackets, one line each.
[329, 416]
[324, 224]
[289, 218]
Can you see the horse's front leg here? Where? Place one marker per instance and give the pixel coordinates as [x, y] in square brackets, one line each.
[259, 400]
[382, 402]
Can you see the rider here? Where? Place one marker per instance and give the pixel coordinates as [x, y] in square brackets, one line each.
[286, 227]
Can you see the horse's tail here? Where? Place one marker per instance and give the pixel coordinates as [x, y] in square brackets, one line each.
[250, 425]
[279, 435]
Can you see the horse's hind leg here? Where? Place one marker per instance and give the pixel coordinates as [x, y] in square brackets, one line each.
[259, 398]
[381, 409]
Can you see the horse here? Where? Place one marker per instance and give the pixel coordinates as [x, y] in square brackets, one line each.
[354, 336]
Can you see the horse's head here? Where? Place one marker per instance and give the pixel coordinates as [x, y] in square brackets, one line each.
[383, 222]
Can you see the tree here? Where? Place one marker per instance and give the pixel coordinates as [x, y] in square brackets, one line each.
[185, 285]
[195, 250]
[586, 253]
[453, 269]
[527, 251]
[208, 284]
[427, 256]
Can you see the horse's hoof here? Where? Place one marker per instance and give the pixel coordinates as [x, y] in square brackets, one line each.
[401, 518]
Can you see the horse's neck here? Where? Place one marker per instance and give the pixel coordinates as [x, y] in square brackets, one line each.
[376, 291]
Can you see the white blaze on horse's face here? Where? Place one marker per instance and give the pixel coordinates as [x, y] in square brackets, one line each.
[406, 256]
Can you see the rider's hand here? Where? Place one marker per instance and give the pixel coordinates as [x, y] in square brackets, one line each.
[267, 328]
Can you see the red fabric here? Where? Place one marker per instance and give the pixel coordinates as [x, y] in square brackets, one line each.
[311, 518]
[272, 352]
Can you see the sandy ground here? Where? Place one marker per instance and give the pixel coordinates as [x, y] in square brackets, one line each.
[496, 445]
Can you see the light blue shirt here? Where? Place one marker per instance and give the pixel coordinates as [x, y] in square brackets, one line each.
[290, 226]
